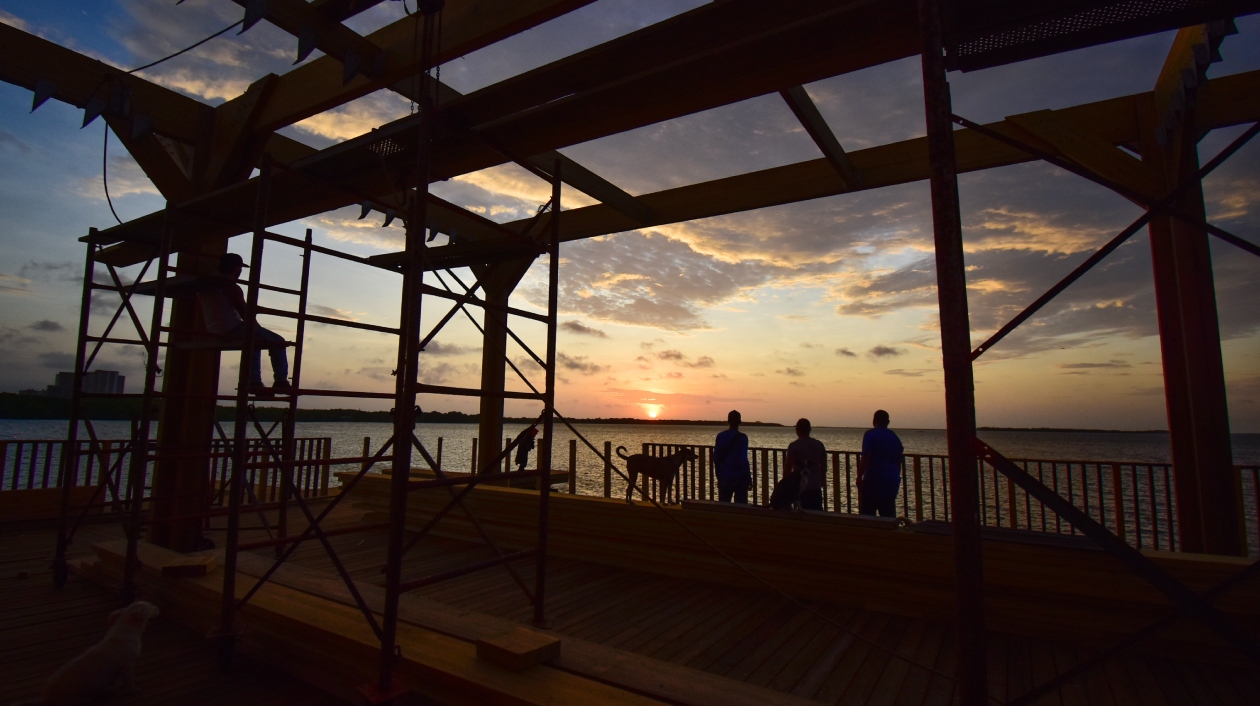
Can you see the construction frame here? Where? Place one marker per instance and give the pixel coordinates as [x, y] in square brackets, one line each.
[526, 118]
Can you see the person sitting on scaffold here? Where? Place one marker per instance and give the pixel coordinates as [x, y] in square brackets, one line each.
[227, 315]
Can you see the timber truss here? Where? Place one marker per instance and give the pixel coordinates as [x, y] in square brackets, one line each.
[201, 157]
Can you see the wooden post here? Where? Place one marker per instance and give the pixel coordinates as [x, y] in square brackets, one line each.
[960, 403]
[327, 467]
[439, 455]
[473, 470]
[835, 481]
[703, 469]
[507, 458]
[608, 469]
[367, 451]
[572, 466]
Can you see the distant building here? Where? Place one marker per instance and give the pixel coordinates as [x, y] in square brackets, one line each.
[97, 382]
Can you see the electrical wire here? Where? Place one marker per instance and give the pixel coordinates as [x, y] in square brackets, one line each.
[105, 172]
[187, 48]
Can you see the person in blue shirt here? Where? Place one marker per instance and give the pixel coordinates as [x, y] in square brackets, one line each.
[730, 459]
[879, 471]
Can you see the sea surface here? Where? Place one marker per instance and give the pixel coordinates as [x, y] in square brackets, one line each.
[457, 441]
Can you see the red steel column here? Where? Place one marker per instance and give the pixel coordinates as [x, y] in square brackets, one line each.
[1194, 375]
[960, 403]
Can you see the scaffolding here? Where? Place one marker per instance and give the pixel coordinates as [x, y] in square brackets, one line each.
[401, 153]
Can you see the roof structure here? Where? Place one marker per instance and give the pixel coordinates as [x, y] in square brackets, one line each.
[201, 159]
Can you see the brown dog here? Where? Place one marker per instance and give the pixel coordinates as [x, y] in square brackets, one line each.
[661, 468]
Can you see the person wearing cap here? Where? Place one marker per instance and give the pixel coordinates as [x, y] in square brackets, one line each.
[223, 305]
[525, 444]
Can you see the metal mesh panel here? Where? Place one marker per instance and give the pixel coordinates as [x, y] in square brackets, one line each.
[991, 33]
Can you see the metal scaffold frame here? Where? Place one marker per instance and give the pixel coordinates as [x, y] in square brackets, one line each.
[279, 452]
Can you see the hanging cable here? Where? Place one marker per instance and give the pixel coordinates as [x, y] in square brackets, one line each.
[186, 49]
[105, 172]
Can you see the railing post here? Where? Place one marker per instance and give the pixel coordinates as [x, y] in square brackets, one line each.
[367, 451]
[1013, 521]
[1117, 499]
[439, 455]
[702, 468]
[327, 467]
[918, 487]
[572, 466]
[473, 470]
[608, 469]
[765, 475]
[507, 458]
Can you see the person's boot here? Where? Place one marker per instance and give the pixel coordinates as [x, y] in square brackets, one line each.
[283, 387]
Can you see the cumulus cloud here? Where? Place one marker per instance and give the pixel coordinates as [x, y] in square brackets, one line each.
[331, 312]
[845, 353]
[46, 326]
[445, 349]
[885, 352]
[791, 372]
[581, 329]
[679, 358]
[579, 363]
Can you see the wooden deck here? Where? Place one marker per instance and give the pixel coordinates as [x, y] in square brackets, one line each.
[667, 638]
[41, 628]
[763, 640]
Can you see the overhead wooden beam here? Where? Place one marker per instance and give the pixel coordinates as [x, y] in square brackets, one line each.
[812, 120]
[1222, 102]
[836, 39]
[467, 25]
[313, 28]
[1185, 68]
[28, 61]
[1053, 134]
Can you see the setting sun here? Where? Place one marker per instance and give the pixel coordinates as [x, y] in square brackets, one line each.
[652, 410]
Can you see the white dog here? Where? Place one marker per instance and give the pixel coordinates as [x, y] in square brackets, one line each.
[107, 667]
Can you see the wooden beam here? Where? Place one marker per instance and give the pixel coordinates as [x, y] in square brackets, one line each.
[1222, 102]
[27, 60]
[313, 28]
[234, 149]
[806, 112]
[1091, 152]
[1185, 69]
[468, 25]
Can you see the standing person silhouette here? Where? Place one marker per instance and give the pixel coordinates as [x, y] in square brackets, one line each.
[808, 455]
[525, 444]
[730, 459]
[879, 471]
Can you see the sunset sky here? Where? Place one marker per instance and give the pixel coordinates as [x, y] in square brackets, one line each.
[824, 309]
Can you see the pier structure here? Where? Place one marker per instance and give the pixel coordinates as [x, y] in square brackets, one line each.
[201, 158]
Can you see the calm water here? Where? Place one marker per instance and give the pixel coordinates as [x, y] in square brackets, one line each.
[457, 441]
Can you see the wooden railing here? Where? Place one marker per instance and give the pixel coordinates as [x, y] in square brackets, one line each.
[36, 464]
[1137, 501]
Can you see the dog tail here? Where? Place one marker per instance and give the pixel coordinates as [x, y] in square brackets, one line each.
[621, 453]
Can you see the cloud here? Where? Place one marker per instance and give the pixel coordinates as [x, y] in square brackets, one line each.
[791, 372]
[905, 373]
[882, 351]
[14, 21]
[581, 329]
[14, 284]
[846, 353]
[60, 361]
[679, 358]
[1094, 366]
[8, 140]
[674, 375]
[579, 363]
[46, 325]
[332, 312]
[67, 271]
[439, 348]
